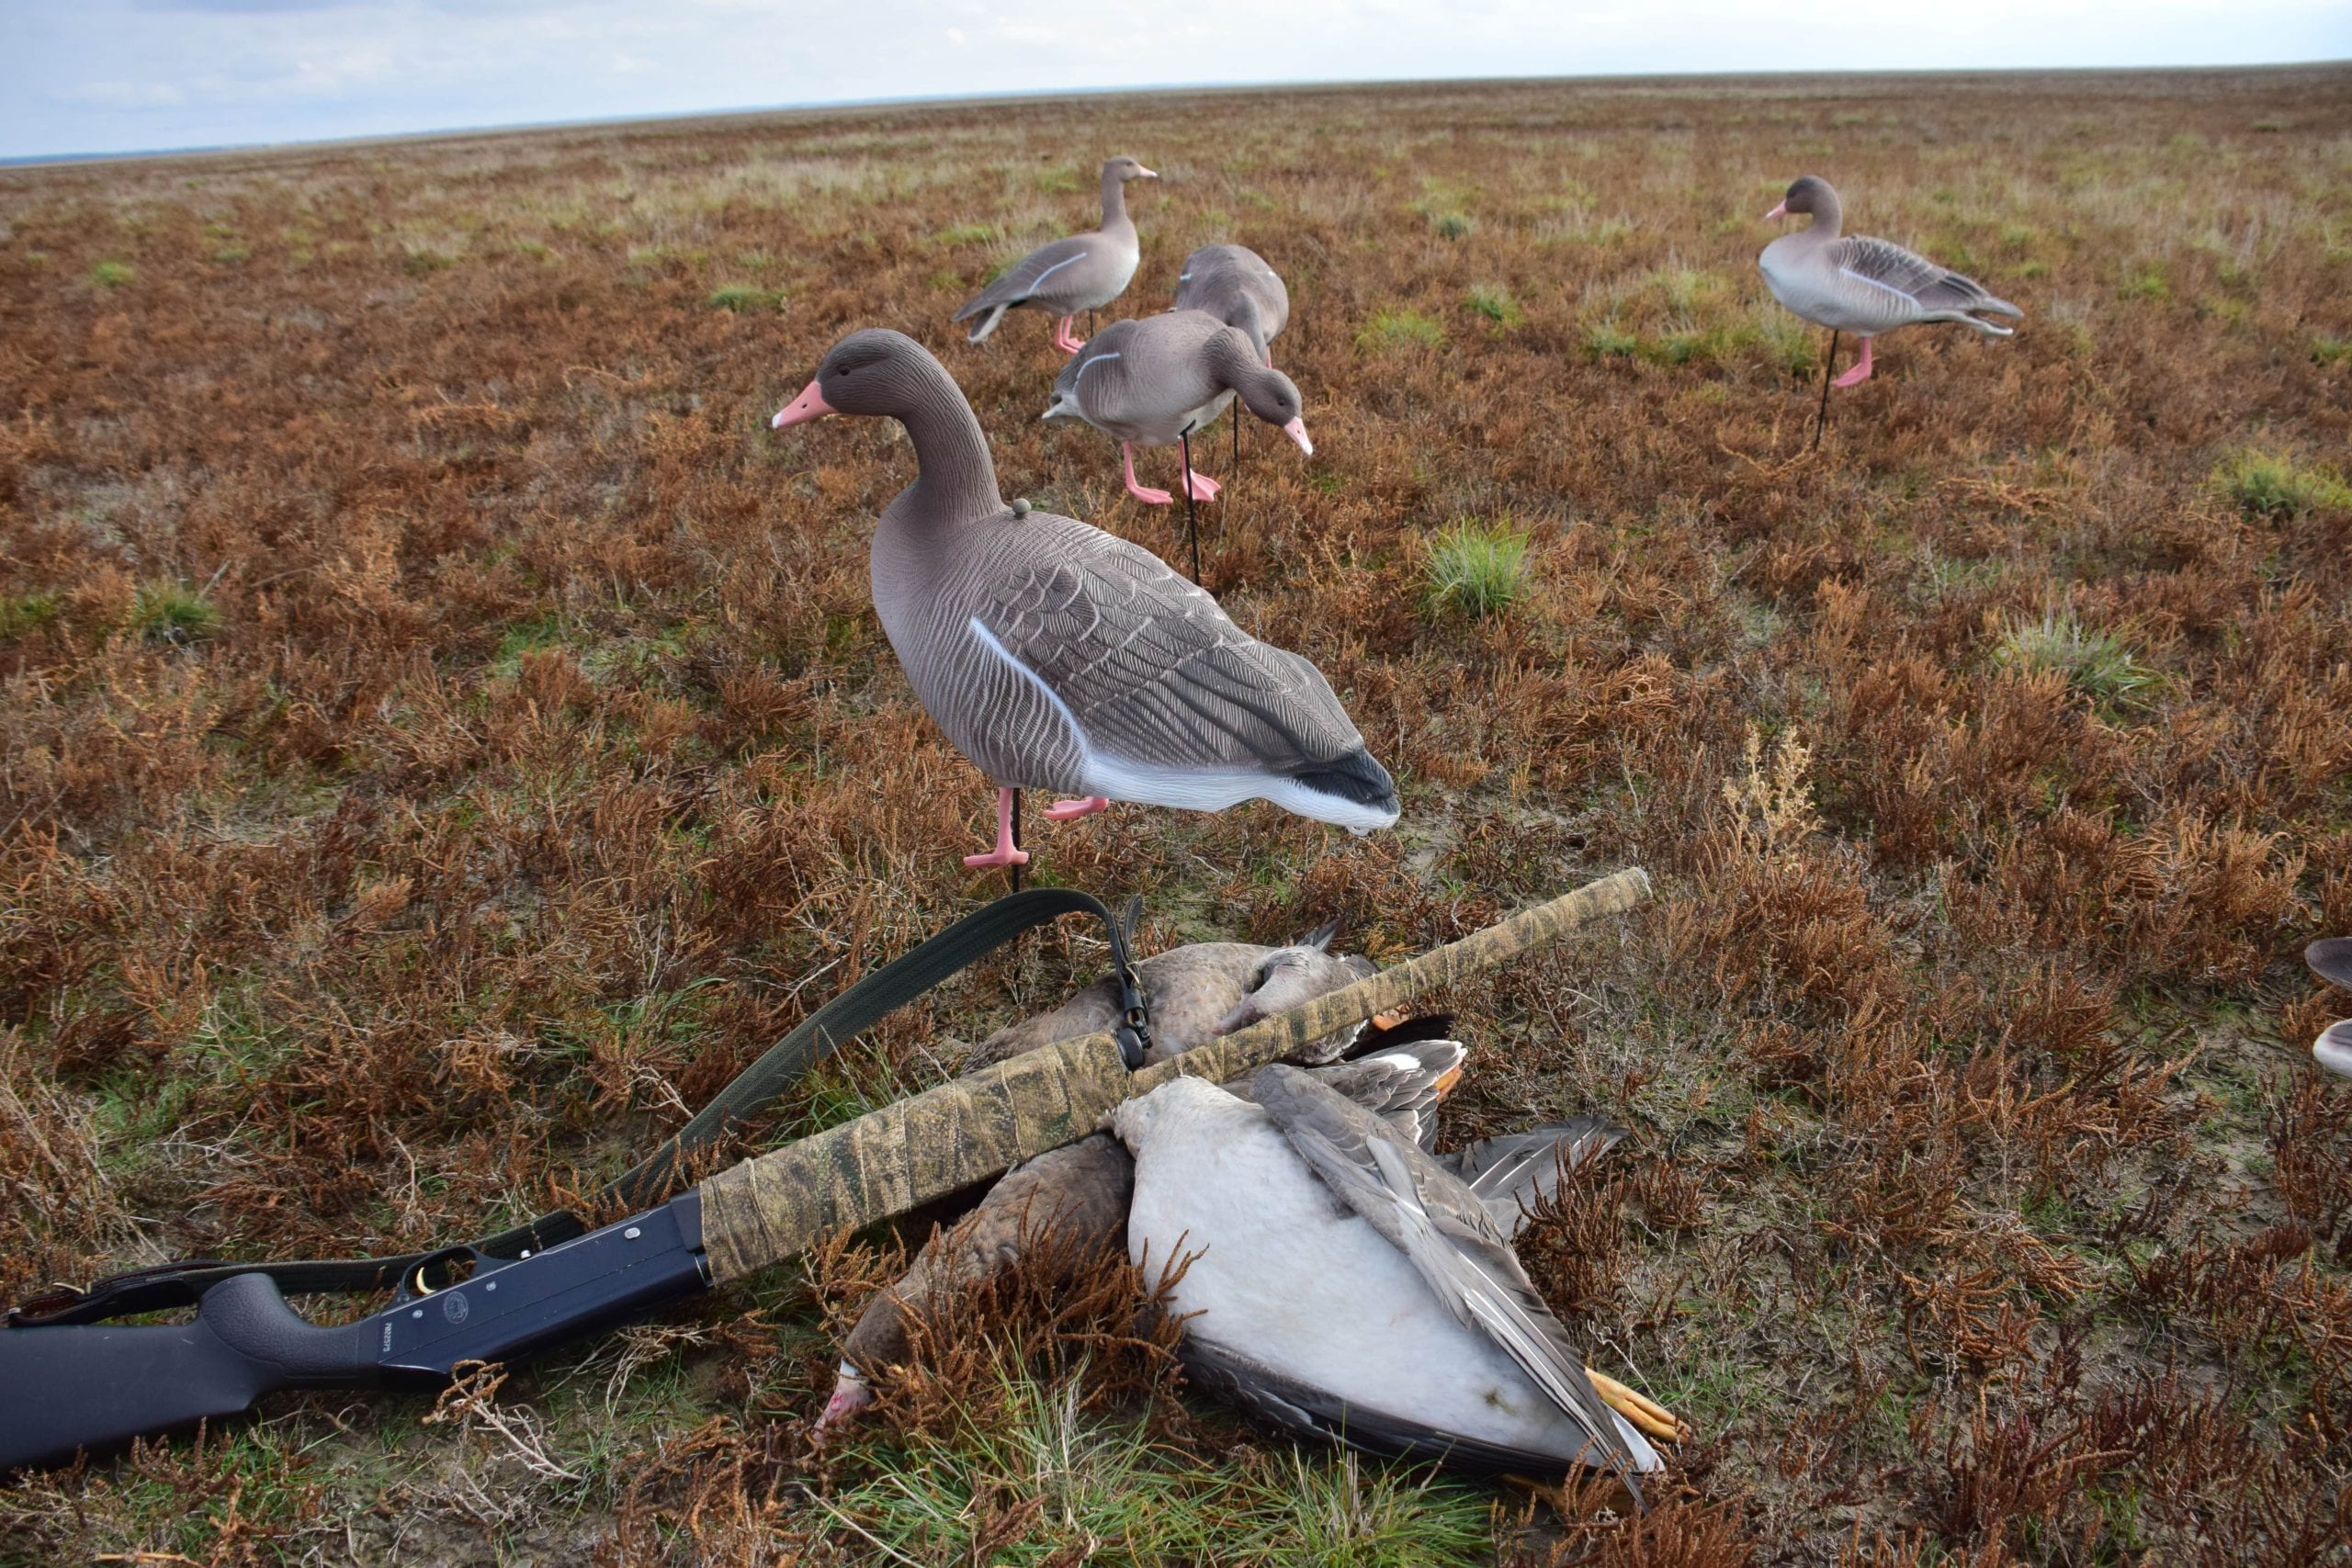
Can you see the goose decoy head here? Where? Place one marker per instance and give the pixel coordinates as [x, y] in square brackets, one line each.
[1810, 196]
[1124, 168]
[864, 374]
[1273, 397]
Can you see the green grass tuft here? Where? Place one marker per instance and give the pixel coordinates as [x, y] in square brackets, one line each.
[741, 298]
[1494, 302]
[1607, 340]
[1401, 329]
[174, 612]
[966, 234]
[2268, 484]
[417, 262]
[23, 612]
[1476, 570]
[1453, 225]
[2099, 664]
[112, 273]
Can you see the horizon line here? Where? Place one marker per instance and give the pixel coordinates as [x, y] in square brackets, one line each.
[849, 106]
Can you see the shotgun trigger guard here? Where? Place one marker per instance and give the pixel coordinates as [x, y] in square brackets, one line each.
[435, 1272]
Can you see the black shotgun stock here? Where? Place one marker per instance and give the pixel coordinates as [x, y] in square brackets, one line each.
[92, 1388]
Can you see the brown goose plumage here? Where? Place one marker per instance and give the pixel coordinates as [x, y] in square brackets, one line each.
[1055, 656]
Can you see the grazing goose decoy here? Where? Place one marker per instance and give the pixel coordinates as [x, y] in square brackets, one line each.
[1153, 382]
[1857, 283]
[2331, 959]
[1344, 1283]
[1234, 284]
[1055, 656]
[1084, 272]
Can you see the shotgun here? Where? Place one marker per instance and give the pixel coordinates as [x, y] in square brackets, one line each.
[92, 1388]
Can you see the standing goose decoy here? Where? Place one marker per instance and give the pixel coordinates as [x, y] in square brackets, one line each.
[1234, 284]
[1153, 382]
[1055, 656]
[1084, 272]
[1858, 283]
[1342, 1282]
[2331, 959]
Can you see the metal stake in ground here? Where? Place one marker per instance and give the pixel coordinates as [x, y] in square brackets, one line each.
[1191, 519]
[1828, 365]
[1014, 870]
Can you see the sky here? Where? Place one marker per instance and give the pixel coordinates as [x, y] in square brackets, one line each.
[120, 75]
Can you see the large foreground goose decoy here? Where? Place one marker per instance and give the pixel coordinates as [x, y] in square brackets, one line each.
[2331, 959]
[1084, 272]
[1858, 283]
[1154, 381]
[1344, 1282]
[1057, 657]
[1234, 284]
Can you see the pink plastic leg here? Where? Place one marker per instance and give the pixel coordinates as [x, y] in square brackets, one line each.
[1066, 336]
[1860, 372]
[1071, 810]
[1202, 487]
[1004, 854]
[1135, 486]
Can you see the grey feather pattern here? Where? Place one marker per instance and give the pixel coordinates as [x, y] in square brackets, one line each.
[1515, 1172]
[1448, 1235]
[1234, 284]
[1152, 380]
[1884, 263]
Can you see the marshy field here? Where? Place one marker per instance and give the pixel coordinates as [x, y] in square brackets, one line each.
[444, 734]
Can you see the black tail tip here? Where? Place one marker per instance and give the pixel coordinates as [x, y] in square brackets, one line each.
[1355, 777]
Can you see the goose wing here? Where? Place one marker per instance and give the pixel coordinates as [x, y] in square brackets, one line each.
[1882, 264]
[1446, 1233]
[1514, 1173]
[1047, 266]
[1147, 667]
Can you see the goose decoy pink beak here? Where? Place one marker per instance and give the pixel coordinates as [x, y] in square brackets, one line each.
[1780, 211]
[810, 404]
[1296, 430]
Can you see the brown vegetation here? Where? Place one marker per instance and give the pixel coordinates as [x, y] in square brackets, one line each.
[444, 735]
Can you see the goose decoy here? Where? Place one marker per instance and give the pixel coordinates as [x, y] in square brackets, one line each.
[1858, 283]
[1078, 1194]
[2331, 960]
[1055, 656]
[1343, 1283]
[1152, 382]
[1084, 272]
[1234, 284]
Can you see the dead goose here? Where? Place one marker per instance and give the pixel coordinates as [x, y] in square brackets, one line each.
[1348, 1285]
[1055, 656]
[1084, 272]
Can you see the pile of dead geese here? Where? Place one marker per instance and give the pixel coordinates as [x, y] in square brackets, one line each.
[1350, 1282]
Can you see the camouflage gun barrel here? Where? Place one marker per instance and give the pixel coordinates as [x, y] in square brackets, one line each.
[892, 1161]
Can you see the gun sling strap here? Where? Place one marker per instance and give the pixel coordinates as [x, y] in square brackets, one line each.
[876, 996]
